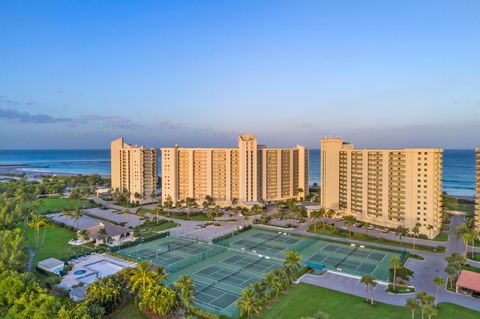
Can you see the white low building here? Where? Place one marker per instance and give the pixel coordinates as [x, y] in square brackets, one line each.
[51, 265]
[109, 234]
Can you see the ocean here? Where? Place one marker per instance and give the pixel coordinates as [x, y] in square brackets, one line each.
[458, 165]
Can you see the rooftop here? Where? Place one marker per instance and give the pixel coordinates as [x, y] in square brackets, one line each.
[51, 263]
[111, 229]
[469, 280]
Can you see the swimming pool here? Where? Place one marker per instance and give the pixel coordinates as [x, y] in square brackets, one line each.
[80, 272]
[104, 268]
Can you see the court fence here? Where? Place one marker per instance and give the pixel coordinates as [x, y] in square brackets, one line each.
[192, 260]
[139, 241]
[404, 256]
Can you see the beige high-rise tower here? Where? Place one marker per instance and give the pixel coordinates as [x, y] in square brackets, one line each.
[134, 170]
[388, 188]
[249, 173]
[477, 195]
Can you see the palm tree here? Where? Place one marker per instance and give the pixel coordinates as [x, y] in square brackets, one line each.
[102, 235]
[424, 300]
[463, 232]
[142, 276]
[349, 221]
[452, 274]
[415, 232]
[366, 226]
[292, 263]
[316, 215]
[156, 210]
[153, 197]
[186, 291]
[36, 223]
[168, 202]
[260, 288]
[413, 305]
[77, 215]
[46, 224]
[395, 263]
[401, 232]
[66, 214]
[368, 281]
[270, 282]
[160, 300]
[438, 281]
[474, 234]
[108, 292]
[247, 303]
[429, 310]
[430, 228]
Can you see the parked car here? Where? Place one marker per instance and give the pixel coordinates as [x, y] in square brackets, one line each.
[476, 295]
[386, 230]
[371, 227]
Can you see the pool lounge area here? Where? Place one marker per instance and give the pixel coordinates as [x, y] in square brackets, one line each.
[88, 269]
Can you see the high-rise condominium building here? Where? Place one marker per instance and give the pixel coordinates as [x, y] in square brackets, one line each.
[248, 173]
[388, 188]
[134, 170]
[477, 197]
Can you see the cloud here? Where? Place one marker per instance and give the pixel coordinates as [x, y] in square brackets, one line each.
[34, 118]
[302, 125]
[170, 125]
[109, 120]
[26, 117]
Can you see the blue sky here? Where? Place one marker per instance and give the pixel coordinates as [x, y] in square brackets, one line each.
[77, 74]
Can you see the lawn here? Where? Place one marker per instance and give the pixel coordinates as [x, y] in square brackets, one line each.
[442, 237]
[305, 300]
[128, 311]
[151, 228]
[56, 204]
[372, 239]
[56, 243]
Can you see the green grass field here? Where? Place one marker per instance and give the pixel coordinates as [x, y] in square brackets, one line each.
[56, 243]
[128, 311]
[442, 237]
[306, 300]
[153, 229]
[55, 204]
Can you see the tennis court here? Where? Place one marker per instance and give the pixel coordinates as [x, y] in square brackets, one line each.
[220, 280]
[170, 252]
[265, 242]
[354, 259]
[221, 271]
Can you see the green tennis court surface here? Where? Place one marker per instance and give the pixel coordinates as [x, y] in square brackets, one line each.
[221, 271]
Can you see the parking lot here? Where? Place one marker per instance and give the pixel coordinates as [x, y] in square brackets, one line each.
[116, 216]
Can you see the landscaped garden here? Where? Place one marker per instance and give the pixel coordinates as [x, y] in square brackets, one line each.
[336, 232]
[55, 244]
[306, 300]
[152, 228]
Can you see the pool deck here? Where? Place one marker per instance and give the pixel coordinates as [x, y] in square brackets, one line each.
[70, 280]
